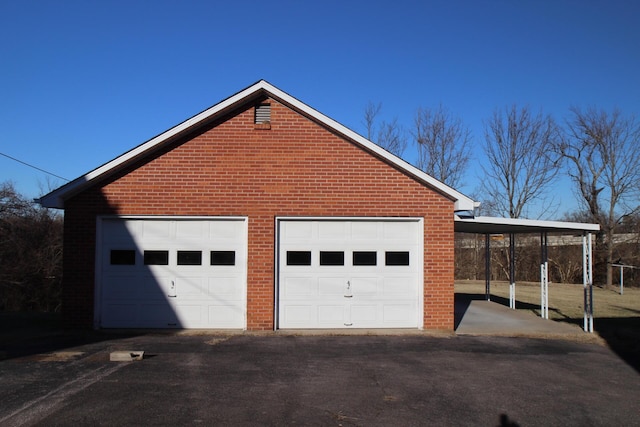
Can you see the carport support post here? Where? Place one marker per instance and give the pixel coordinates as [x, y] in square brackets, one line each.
[487, 267]
[587, 281]
[544, 277]
[622, 280]
[512, 271]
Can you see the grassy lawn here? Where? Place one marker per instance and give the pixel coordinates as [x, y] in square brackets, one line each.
[566, 301]
[616, 317]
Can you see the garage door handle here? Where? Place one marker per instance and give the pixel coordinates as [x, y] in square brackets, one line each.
[348, 295]
[173, 290]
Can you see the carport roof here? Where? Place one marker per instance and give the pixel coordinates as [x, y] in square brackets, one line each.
[493, 225]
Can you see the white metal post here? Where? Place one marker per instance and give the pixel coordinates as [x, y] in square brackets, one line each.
[621, 280]
[512, 271]
[544, 277]
[487, 267]
[587, 280]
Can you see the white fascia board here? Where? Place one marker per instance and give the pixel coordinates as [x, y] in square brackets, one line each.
[501, 224]
[462, 202]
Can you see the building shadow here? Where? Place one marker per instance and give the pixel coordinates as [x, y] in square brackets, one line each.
[33, 333]
[622, 335]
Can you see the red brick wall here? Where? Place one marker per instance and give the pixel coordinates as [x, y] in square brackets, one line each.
[296, 168]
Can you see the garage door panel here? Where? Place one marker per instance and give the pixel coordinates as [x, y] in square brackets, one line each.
[398, 230]
[175, 280]
[394, 313]
[225, 288]
[331, 315]
[301, 286]
[364, 315]
[395, 286]
[188, 231]
[190, 287]
[298, 230]
[122, 314]
[225, 316]
[358, 265]
[299, 314]
[332, 230]
[188, 315]
[365, 231]
[156, 231]
[365, 286]
[116, 233]
[335, 286]
[158, 315]
[154, 287]
[232, 231]
[122, 287]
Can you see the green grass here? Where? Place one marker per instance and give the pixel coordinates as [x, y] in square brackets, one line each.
[566, 301]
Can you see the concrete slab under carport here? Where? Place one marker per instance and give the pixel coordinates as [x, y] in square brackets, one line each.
[481, 317]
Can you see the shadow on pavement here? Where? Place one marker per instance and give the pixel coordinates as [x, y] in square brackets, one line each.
[27, 334]
[622, 335]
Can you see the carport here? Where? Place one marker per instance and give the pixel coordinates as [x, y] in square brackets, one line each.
[488, 226]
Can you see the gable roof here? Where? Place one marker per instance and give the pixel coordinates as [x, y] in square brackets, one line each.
[56, 198]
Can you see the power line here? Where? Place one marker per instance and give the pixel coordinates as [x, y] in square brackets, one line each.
[33, 167]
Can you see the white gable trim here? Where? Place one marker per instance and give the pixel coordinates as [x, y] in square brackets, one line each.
[56, 198]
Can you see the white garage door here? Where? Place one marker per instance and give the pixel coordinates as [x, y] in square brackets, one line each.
[349, 273]
[172, 273]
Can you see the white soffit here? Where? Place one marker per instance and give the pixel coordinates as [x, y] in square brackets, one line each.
[494, 225]
[56, 198]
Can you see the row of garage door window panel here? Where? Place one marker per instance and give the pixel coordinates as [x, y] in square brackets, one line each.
[363, 258]
[128, 257]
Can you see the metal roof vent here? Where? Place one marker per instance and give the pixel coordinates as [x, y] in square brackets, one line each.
[263, 114]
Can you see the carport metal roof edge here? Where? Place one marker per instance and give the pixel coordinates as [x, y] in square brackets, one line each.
[495, 225]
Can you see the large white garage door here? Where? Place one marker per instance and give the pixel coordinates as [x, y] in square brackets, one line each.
[349, 273]
[172, 273]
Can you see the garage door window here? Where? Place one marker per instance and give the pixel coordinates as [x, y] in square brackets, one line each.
[123, 257]
[189, 258]
[396, 258]
[364, 258]
[331, 258]
[223, 258]
[156, 257]
[298, 257]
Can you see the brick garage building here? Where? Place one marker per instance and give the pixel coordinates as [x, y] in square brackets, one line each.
[259, 213]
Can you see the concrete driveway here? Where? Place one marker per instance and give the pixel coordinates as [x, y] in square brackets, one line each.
[360, 380]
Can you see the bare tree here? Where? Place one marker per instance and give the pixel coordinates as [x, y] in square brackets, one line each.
[443, 145]
[603, 152]
[30, 254]
[388, 135]
[521, 165]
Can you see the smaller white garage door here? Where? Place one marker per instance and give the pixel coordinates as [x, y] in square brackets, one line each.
[172, 273]
[350, 273]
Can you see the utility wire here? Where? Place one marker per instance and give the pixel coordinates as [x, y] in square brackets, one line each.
[33, 167]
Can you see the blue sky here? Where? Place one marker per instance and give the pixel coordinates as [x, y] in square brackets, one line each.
[81, 82]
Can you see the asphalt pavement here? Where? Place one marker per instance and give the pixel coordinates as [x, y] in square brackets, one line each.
[318, 380]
